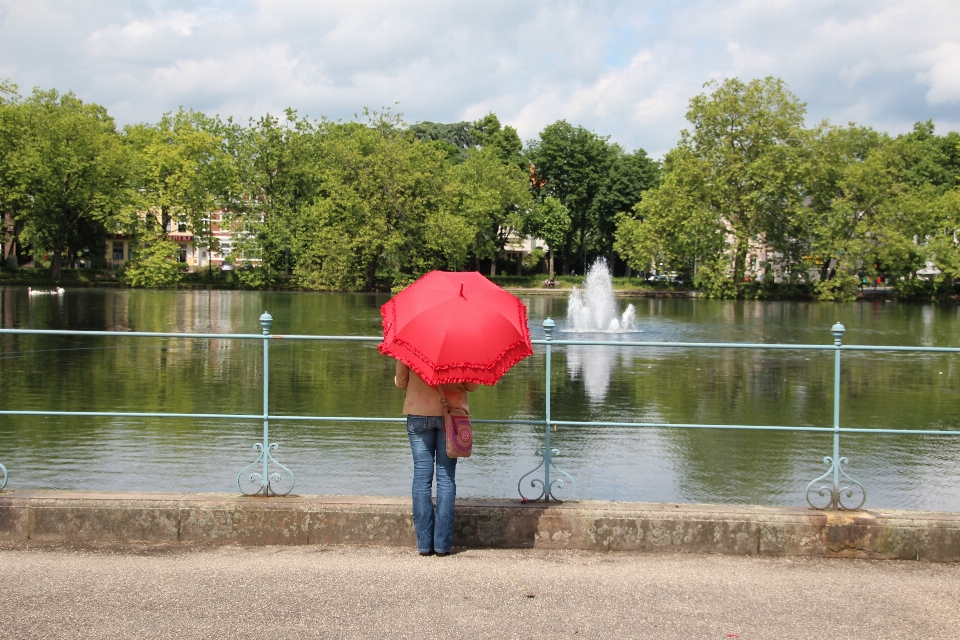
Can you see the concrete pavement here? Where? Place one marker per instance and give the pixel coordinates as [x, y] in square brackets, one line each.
[180, 591]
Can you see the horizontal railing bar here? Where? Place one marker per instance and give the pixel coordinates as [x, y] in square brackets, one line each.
[857, 347]
[682, 425]
[336, 419]
[910, 432]
[612, 343]
[133, 334]
[688, 345]
[533, 421]
[348, 338]
[749, 427]
[235, 416]
[747, 345]
[138, 414]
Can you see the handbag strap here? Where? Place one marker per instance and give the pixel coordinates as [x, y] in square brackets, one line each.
[444, 405]
[443, 400]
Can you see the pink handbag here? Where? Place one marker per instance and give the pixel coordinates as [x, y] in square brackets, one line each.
[457, 431]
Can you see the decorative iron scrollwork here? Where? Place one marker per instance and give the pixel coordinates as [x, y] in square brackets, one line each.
[546, 490]
[256, 481]
[3, 470]
[834, 491]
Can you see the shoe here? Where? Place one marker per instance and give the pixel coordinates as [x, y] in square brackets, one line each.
[442, 554]
[428, 553]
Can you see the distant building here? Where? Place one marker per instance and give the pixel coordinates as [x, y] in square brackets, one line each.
[119, 250]
[191, 251]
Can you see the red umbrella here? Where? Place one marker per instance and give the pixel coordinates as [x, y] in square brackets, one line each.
[455, 327]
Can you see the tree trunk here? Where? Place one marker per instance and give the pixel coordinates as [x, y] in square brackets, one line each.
[583, 247]
[56, 257]
[740, 264]
[551, 263]
[493, 266]
[10, 247]
[827, 269]
[371, 274]
[165, 214]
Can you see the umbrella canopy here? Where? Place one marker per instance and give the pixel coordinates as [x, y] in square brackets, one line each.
[455, 327]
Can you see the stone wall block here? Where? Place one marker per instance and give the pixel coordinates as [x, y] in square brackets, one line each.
[361, 524]
[244, 521]
[103, 520]
[14, 518]
[792, 537]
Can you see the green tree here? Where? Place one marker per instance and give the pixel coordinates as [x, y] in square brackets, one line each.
[919, 222]
[155, 264]
[502, 141]
[454, 138]
[571, 164]
[737, 183]
[81, 171]
[281, 167]
[671, 229]
[181, 170]
[629, 176]
[15, 170]
[550, 221]
[845, 189]
[882, 204]
[491, 197]
[381, 194]
[458, 138]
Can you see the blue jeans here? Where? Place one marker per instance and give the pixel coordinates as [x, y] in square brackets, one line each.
[427, 441]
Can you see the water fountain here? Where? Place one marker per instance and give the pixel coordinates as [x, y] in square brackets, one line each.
[593, 309]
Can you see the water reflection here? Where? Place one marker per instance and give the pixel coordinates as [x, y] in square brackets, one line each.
[594, 366]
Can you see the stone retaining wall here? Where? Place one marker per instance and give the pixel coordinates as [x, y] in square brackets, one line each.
[165, 518]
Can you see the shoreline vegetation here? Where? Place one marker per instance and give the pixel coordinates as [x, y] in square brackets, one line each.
[753, 202]
[527, 284]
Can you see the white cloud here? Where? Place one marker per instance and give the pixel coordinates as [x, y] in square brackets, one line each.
[625, 69]
[943, 73]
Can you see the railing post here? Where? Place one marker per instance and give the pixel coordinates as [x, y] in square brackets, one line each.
[835, 491]
[264, 478]
[266, 320]
[548, 326]
[837, 330]
[547, 453]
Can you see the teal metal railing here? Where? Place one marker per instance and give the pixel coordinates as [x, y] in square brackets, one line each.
[266, 476]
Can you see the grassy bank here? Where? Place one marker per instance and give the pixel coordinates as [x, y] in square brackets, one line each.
[40, 278]
[78, 278]
[568, 282]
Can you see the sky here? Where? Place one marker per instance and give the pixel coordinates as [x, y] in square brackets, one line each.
[622, 69]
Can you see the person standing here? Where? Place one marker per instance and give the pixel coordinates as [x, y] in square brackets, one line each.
[434, 526]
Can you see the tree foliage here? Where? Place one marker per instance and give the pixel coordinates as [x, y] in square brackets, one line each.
[749, 192]
[594, 180]
[76, 171]
[731, 182]
[830, 206]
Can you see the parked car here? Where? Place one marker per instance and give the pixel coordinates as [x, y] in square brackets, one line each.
[672, 278]
[226, 266]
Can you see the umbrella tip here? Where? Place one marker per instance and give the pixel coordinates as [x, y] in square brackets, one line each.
[461, 292]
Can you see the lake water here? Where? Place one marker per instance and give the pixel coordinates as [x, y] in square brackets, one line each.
[904, 391]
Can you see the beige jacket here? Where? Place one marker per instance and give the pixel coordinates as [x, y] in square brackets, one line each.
[423, 400]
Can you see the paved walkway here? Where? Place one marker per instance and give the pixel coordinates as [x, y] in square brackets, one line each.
[381, 592]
